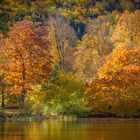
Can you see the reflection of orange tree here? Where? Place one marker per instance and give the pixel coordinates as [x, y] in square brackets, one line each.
[117, 86]
[29, 61]
[53, 129]
[8, 128]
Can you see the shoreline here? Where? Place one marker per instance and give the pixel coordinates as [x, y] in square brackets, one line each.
[68, 118]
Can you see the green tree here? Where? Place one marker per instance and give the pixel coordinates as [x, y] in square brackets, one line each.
[62, 95]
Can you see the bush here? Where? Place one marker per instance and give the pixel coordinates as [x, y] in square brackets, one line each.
[63, 95]
[28, 108]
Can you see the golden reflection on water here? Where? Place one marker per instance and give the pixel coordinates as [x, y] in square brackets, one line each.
[79, 130]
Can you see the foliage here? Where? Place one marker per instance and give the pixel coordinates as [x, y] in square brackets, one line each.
[25, 48]
[127, 31]
[4, 24]
[117, 85]
[62, 96]
[64, 40]
[28, 108]
[51, 49]
[93, 47]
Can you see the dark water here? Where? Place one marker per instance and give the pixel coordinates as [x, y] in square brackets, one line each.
[77, 130]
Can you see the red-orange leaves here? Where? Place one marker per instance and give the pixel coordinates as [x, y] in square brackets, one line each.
[28, 58]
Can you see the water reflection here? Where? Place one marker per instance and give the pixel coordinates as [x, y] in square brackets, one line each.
[79, 130]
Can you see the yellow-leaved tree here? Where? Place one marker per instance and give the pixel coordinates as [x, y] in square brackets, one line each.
[93, 47]
[127, 30]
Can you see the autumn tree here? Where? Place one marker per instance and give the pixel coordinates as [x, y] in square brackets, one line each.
[127, 30]
[117, 86]
[28, 58]
[64, 41]
[100, 31]
[86, 59]
[95, 45]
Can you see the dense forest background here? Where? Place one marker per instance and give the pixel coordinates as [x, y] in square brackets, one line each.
[70, 57]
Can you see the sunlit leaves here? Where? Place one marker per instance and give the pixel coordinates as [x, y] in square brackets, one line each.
[118, 81]
[93, 47]
[128, 29]
[28, 58]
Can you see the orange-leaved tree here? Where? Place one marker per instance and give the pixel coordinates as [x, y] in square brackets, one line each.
[28, 62]
[117, 86]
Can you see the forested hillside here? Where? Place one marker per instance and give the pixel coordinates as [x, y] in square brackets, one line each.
[70, 57]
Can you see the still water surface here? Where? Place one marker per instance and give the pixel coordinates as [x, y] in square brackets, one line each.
[76, 130]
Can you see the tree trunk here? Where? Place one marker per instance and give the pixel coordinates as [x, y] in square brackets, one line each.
[2, 99]
[23, 91]
[2, 96]
[22, 100]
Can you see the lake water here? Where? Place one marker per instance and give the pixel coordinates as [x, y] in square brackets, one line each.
[75, 130]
